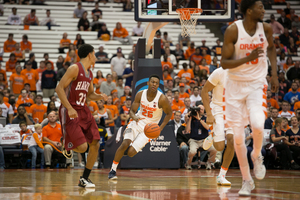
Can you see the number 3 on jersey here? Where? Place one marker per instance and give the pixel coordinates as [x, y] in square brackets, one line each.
[82, 98]
[147, 113]
[253, 62]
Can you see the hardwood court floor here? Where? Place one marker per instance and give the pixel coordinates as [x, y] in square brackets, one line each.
[60, 184]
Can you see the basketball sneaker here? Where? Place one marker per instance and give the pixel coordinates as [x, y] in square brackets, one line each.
[112, 175]
[221, 180]
[208, 142]
[246, 188]
[85, 183]
[188, 167]
[259, 167]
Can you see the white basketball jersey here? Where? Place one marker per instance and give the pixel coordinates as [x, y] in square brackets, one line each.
[150, 110]
[256, 69]
[104, 115]
[217, 78]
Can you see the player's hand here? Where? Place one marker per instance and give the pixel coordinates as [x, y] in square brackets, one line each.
[72, 113]
[274, 84]
[136, 118]
[104, 97]
[210, 119]
[256, 53]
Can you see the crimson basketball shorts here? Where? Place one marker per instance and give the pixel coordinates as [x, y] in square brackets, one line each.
[78, 130]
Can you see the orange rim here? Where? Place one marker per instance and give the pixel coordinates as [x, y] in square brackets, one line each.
[185, 13]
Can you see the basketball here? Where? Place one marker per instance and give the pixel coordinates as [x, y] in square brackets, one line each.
[105, 37]
[152, 130]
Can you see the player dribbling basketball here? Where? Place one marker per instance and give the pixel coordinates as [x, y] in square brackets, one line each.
[151, 103]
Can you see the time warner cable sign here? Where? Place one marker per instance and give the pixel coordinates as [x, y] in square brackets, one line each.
[160, 145]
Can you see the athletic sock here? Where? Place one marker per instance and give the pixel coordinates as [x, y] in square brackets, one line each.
[86, 173]
[223, 171]
[114, 166]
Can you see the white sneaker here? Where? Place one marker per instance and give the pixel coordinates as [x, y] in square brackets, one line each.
[208, 165]
[221, 180]
[188, 167]
[246, 188]
[208, 142]
[96, 164]
[259, 168]
[86, 183]
[81, 164]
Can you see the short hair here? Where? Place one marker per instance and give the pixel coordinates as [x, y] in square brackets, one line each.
[47, 10]
[284, 101]
[154, 76]
[120, 78]
[12, 54]
[46, 54]
[22, 122]
[25, 36]
[196, 87]
[32, 10]
[177, 111]
[10, 34]
[284, 118]
[79, 4]
[108, 75]
[175, 91]
[41, 96]
[48, 63]
[84, 50]
[247, 4]
[184, 65]
[37, 126]
[26, 84]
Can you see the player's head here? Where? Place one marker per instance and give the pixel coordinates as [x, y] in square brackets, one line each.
[253, 9]
[153, 82]
[86, 51]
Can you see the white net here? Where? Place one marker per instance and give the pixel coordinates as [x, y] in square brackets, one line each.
[188, 19]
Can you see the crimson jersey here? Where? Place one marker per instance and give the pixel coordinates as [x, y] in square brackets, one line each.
[77, 91]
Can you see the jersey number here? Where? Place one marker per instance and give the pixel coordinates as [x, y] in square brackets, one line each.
[253, 62]
[82, 98]
[147, 113]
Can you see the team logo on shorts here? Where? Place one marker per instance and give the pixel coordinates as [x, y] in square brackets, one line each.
[70, 145]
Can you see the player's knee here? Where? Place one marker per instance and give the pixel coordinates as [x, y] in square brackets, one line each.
[125, 144]
[131, 152]
[82, 148]
[257, 121]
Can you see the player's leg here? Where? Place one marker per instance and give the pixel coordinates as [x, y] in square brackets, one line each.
[81, 148]
[256, 105]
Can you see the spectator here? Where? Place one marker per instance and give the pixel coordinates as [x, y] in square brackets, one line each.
[184, 40]
[17, 81]
[61, 72]
[48, 21]
[78, 41]
[14, 19]
[287, 9]
[176, 122]
[3, 82]
[217, 49]
[292, 49]
[204, 65]
[178, 52]
[126, 94]
[35, 145]
[121, 34]
[31, 19]
[6, 109]
[285, 37]
[92, 107]
[167, 39]
[293, 137]
[101, 56]
[107, 86]
[103, 33]
[131, 54]
[195, 97]
[116, 100]
[289, 62]
[24, 130]
[9, 44]
[203, 47]
[98, 80]
[38, 110]
[72, 58]
[127, 6]
[171, 57]
[50, 107]
[52, 134]
[83, 23]
[54, 99]
[294, 35]
[271, 120]
[95, 24]
[25, 44]
[285, 113]
[293, 96]
[96, 11]
[60, 62]
[296, 22]
[124, 112]
[270, 101]
[64, 43]
[48, 81]
[196, 57]
[138, 30]
[276, 26]
[206, 56]
[279, 47]
[78, 12]
[128, 75]
[190, 51]
[277, 137]
[22, 116]
[120, 87]
[291, 15]
[11, 63]
[182, 139]
[185, 72]
[176, 101]
[20, 55]
[24, 100]
[46, 57]
[284, 21]
[31, 76]
[215, 65]
[2, 161]
[294, 72]
[196, 125]
[114, 112]
[118, 63]
[187, 105]
[106, 114]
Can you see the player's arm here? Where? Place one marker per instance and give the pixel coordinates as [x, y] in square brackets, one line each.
[135, 106]
[271, 52]
[205, 99]
[230, 38]
[70, 75]
[165, 105]
[94, 96]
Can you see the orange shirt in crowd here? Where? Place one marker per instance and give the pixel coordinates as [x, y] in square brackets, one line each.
[52, 133]
[116, 101]
[168, 77]
[69, 59]
[114, 110]
[27, 103]
[297, 105]
[96, 81]
[273, 103]
[19, 55]
[166, 65]
[26, 46]
[4, 73]
[189, 52]
[126, 111]
[174, 108]
[65, 42]
[204, 67]
[26, 132]
[93, 107]
[179, 104]
[196, 58]
[38, 112]
[3, 85]
[286, 66]
[5, 99]
[207, 58]
[11, 66]
[123, 99]
[9, 46]
[188, 74]
[76, 51]
[183, 96]
[121, 32]
[32, 77]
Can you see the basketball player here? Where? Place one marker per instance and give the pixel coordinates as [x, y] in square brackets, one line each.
[78, 125]
[151, 103]
[246, 45]
[215, 116]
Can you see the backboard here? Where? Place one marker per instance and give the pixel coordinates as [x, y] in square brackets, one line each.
[165, 10]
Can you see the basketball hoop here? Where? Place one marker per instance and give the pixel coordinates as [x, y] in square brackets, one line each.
[188, 19]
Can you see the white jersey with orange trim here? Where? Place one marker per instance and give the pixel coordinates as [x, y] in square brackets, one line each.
[150, 110]
[6, 109]
[256, 69]
[288, 114]
[217, 79]
[104, 115]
